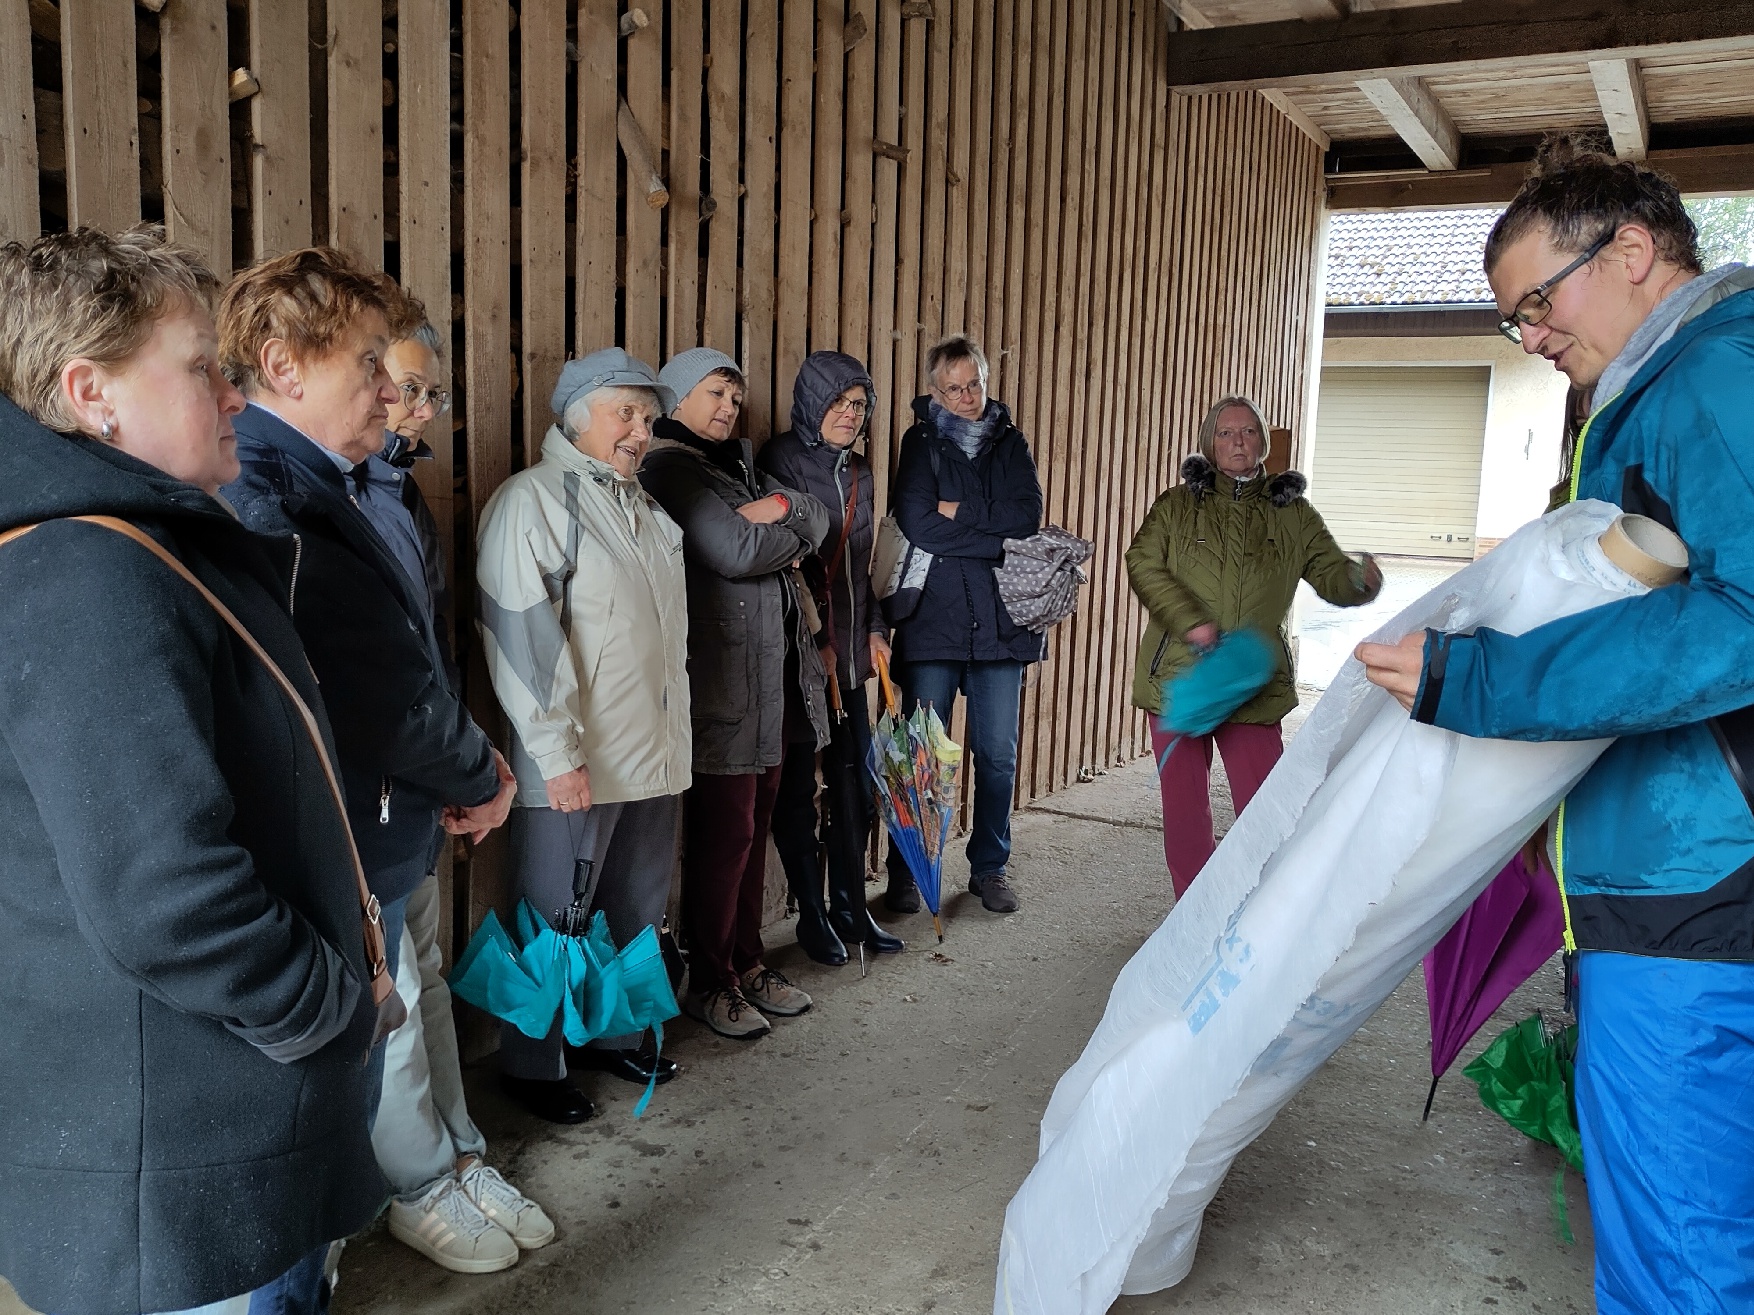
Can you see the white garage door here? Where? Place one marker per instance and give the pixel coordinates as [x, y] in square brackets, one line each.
[1397, 457]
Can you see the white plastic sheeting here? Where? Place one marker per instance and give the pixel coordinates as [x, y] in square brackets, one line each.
[1370, 838]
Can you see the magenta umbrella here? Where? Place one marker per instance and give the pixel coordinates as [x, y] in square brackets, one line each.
[1513, 928]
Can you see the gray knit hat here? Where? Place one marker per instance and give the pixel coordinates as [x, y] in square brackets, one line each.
[609, 368]
[686, 369]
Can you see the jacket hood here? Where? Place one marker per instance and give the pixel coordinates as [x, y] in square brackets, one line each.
[823, 377]
[1201, 476]
[45, 475]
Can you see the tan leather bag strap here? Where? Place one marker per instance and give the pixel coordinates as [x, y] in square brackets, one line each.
[381, 982]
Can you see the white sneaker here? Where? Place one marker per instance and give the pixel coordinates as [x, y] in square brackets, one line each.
[446, 1227]
[506, 1206]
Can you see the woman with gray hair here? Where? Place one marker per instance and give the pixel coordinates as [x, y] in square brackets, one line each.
[756, 677]
[584, 615]
[1222, 551]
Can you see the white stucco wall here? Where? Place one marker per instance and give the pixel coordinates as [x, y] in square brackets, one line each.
[1525, 416]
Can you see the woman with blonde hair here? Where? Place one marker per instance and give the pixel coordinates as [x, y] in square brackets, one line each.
[1222, 551]
[189, 994]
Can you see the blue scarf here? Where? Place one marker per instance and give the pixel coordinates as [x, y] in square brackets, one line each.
[972, 436]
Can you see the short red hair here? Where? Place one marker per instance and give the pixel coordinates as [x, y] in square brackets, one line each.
[308, 299]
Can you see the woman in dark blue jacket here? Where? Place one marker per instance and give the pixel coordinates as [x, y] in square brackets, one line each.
[967, 483]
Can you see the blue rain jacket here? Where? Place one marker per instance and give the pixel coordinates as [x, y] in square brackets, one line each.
[1657, 845]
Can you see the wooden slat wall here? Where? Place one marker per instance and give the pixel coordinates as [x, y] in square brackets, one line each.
[864, 175]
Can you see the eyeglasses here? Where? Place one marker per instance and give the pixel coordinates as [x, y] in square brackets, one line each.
[416, 395]
[856, 405]
[956, 392]
[1534, 307]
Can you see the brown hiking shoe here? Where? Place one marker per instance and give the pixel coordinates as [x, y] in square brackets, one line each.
[769, 991]
[728, 1012]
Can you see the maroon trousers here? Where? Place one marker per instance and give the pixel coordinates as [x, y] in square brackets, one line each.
[1185, 782]
[723, 871]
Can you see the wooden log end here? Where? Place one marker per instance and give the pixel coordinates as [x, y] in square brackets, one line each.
[634, 20]
[857, 29]
[152, 6]
[657, 198]
[890, 151]
[243, 84]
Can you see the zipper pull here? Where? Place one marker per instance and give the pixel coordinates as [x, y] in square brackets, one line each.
[384, 804]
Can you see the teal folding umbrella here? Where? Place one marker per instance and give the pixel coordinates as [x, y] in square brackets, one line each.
[574, 974]
[1223, 678]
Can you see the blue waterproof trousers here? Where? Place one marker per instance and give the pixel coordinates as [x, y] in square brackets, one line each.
[1665, 1104]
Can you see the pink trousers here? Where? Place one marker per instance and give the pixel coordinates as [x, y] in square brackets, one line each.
[1185, 781]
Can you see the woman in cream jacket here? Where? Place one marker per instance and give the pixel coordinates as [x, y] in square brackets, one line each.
[585, 617]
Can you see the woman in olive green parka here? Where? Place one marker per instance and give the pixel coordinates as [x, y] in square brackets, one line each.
[1224, 550]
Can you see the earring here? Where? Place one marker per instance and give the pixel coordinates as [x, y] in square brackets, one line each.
[107, 430]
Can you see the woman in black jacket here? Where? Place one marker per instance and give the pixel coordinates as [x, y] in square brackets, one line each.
[966, 483]
[186, 1012]
[831, 402]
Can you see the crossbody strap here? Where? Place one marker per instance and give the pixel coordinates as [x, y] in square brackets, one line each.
[371, 917]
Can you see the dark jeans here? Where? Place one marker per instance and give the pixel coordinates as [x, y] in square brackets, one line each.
[845, 823]
[995, 695]
[724, 867]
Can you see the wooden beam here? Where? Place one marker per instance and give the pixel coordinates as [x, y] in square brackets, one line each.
[1697, 171]
[197, 136]
[1304, 124]
[1481, 36]
[724, 98]
[827, 141]
[598, 102]
[542, 221]
[1188, 14]
[687, 114]
[423, 211]
[1415, 114]
[356, 130]
[1620, 89]
[19, 217]
[280, 127]
[760, 120]
[487, 248]
[99, 113]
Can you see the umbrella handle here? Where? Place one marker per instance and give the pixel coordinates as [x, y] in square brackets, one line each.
[889, 700]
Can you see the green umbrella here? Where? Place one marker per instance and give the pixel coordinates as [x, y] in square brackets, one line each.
[1526, 1076]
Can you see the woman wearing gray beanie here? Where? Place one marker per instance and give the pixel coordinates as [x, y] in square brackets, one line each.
[755, 680]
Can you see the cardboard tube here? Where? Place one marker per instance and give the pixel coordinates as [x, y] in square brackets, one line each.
[1647, 551]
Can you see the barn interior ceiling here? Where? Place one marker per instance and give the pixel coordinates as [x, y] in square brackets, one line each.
[1443, 104]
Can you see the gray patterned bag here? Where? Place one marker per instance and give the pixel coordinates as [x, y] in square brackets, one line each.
[1039, 580]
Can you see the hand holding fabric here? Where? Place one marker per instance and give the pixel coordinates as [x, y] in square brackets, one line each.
[1395, 667]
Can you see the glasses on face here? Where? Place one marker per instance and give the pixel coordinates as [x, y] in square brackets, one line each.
[856, 405]
[416, 395]
[956, 392]
[1533, 307]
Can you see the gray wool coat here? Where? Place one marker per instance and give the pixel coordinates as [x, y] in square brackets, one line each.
[742, 609]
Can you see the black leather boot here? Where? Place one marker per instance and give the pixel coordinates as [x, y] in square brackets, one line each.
[851, 919]
[816, 934]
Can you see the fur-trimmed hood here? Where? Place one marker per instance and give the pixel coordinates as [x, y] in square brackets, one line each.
[1201, 476]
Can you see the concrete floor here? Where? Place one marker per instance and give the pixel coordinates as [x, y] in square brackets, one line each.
[860, 1158]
